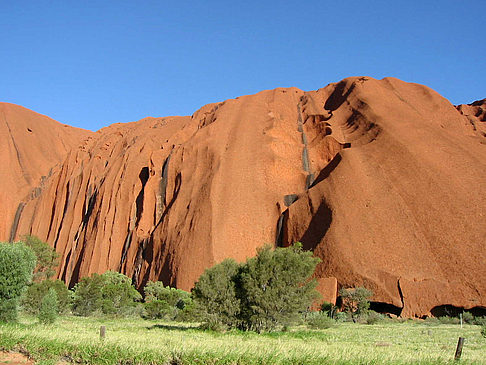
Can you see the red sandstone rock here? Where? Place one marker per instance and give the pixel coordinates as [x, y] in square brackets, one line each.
[476, 115]
[328, 287]
[383, 180]
[31, 147]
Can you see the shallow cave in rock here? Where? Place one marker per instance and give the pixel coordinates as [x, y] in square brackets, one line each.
[448, 310]
[385, 308]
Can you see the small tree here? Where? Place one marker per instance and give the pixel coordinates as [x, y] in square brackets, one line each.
[214, 295]
[17, 263]
[276, 286]
[47, 258]
[88, 295]
[32, 297]
[269, 290]
[356, 300]
[109, 293]
[49, 307]
[155, 290]
[162, 301]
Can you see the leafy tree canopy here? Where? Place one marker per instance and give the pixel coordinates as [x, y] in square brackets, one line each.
[17, 263]
[109, 293]
[47, 258]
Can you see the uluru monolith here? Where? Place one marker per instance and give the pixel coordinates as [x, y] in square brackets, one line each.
[382, 179]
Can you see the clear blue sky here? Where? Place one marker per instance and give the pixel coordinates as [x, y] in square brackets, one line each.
[93, 63]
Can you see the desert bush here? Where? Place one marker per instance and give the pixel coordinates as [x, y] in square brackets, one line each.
[214, 295]
[373, 317]
[319, 320]
[431, 321]
[356, 300]
[479, 321]
[268, 291]
[188, 313]
[32, 297]
[17, 263]
[157, 309]
[329, 309]
[275, 287]
[155, 290]
[449, 320]
[110, 293]
[48, 311]
[342, 317]
[47, 258]
[326, 307]
[165, 302]
[468, 317]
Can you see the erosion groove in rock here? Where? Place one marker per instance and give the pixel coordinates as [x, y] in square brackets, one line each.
[383, 180]
[15, 223]
[32, 145]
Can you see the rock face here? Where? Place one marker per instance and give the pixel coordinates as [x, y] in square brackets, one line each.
[476, 115]
[31, 147]
[382, 179]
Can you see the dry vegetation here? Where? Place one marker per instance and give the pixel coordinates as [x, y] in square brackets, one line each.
[137, 341]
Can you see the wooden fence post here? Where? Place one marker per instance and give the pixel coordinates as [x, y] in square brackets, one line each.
[460, 343]
[102, 332]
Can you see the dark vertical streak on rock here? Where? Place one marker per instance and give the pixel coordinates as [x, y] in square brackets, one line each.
[305, 152]
[279, 236]
[126, 246]
[163, 180]
[66, 204]
[290, 199]
[139, 260]
[318, 227]
[400, 293]
[19, 158]
[144, 176]
[15, 223]
[89, 209]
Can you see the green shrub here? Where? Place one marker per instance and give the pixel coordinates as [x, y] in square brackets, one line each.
[158, 309]
[214, 295]
[275, 287]
[356, 300]
[49, 307]
[319, 320]
[188, 313]
[483, 331]
[270, 290]
[164, 302]
[32, 297]
[432, 321]
[110, 293]
[326, 307]
[449, 320]
[155, 290]
[468, 317]
[480, 321]
[342, 317]
[17, 263]
[47, 258]
[373, 317]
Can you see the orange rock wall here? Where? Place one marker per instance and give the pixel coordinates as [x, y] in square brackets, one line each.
[382, 179]
[31, 147]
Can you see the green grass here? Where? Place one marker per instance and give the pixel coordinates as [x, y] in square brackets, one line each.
[136, 341]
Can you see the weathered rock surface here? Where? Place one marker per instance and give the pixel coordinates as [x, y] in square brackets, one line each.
[382, 179]
[402, 210]
[31, 147]
[476, 115]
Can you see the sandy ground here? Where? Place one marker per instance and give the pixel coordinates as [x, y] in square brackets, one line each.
[14, 358]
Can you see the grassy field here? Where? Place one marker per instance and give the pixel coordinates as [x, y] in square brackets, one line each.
[137, 341]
